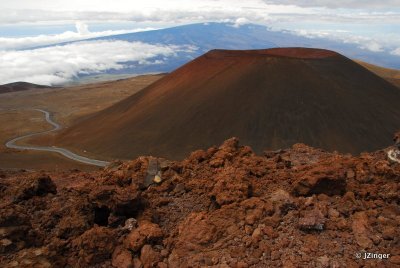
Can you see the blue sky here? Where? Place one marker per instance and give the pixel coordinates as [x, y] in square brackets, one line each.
[25, 24]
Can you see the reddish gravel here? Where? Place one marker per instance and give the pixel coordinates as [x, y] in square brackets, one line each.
[223, 207]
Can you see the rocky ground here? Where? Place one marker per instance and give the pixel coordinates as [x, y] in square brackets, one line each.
[224, 207]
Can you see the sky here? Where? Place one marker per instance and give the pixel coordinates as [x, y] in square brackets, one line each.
[25, 24]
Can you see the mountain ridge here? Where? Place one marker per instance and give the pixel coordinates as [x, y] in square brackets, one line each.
[19, 86]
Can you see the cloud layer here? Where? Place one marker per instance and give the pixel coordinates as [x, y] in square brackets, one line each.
[373, 44]
[10, 43]
[60, 64]
[364, 4]
[186, 11]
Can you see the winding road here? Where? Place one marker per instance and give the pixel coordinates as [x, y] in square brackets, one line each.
[11, 144]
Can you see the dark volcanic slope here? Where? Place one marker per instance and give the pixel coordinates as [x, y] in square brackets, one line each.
[270, 99]
[18, 86]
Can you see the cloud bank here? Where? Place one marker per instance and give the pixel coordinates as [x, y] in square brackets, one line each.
[60, 64]
[374, 44]
[82, 32]
[396, 52]
[358, 4]
[186, 11]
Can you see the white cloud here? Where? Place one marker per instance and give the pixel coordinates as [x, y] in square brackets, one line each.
[386, 4]
[372, 45]
[10, 43]
[241, 21]
[82, 28]
[176, 11]
[60, 64]
[396, 52]
[363, 42]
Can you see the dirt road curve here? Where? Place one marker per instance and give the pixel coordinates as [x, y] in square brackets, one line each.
[12, 144]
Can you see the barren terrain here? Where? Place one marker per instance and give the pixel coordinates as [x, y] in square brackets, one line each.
[221, 207]
[391, 75]
[69, 106]
[66, 105]
[17, 123]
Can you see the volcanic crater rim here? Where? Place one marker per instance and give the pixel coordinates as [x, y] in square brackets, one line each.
[285, 52]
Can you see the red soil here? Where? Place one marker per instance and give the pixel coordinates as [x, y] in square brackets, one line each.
[223, 207]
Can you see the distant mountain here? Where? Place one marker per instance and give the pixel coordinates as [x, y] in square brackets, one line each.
[208, 36]
[19, 86]
[270, 99]
[391, 75]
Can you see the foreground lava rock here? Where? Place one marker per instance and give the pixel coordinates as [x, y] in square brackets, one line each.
[224, 207]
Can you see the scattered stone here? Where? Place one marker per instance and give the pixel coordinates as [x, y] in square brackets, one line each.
[230, 187]
[394, 155]
[147, 232]
[323, 262]
[130, 224]
[390, 233]
[95, 246]
[148, 256]
[282, 201]
[313, 220]
[333, 213]
[329, 181]
[361, 230]
[121, 258]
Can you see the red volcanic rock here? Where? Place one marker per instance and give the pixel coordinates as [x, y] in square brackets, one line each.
[149, 257]
[147, 232]
[121, 258]
[361, 230]
[38, 186]
[321, 180]
[247, 211]
[313, 220]
[282, 201]
[16, 231]
[231, 187]
[95, 246]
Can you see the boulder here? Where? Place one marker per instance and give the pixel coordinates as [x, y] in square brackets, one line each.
[147, 232]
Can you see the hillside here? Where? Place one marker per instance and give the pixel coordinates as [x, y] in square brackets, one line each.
[19, 86]
[270, 99]
[66, 104]
[392, 75]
